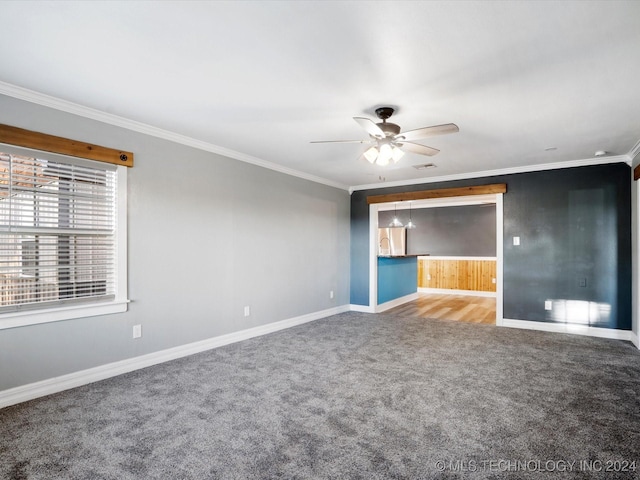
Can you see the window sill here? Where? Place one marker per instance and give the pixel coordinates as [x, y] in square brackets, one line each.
[69, 312]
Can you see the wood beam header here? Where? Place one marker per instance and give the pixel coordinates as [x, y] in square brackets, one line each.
[439, 193]
[49, 143]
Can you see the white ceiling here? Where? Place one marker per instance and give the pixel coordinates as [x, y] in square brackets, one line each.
[264, 78]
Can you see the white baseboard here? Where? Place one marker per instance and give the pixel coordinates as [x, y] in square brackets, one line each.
[362, 308]
[84, 377]
[569, 328]
[447, 291]
[396, 302]
[384, 306]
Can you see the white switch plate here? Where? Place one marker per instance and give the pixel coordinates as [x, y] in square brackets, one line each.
[331, 294]
[137, 331]
[548, 305]
[247, 311]
[516, 240]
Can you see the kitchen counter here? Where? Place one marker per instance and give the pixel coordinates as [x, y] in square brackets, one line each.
[397, 277]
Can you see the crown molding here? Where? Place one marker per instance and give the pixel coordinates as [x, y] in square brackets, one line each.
[491, 173]
[44, 100]
[634, 152]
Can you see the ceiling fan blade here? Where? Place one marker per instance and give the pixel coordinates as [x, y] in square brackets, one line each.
[417, 148]
[341, 141]
[371, 128]
[428, 132]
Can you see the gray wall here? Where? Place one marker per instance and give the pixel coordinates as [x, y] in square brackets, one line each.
[463, 231]
[207, 236]
[574, 224]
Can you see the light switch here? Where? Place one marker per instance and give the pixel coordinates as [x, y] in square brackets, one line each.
[516, 241]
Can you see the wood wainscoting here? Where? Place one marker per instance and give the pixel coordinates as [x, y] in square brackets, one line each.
[476, 274]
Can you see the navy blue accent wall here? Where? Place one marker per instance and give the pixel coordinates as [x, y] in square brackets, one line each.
[575, 230]
[397, 277]
[359, 248]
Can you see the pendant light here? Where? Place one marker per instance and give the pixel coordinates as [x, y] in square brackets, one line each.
[410, 225]
[395, 223]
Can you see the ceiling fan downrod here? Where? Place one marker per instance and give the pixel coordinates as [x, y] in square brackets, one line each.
[389, 129]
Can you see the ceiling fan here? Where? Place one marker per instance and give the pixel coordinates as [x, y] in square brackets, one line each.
[388, 142]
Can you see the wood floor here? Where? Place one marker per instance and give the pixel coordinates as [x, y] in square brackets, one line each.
[450, 307]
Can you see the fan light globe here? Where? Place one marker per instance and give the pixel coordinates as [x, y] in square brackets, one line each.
[396, 154]
[371, 154]
[385, 154]
[383, 161]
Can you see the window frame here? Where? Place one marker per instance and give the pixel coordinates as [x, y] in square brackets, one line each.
[119, 303]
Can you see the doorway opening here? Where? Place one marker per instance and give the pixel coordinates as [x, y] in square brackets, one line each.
[423, 301]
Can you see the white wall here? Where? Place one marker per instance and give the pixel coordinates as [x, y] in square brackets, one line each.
[207, 236]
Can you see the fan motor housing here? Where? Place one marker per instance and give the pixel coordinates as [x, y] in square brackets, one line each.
[389, 128]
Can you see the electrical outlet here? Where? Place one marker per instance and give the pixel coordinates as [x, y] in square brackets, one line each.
[493, 280]
[583, 282]
[548, 305]
[137, 331]
[331, 294]
[247, 311]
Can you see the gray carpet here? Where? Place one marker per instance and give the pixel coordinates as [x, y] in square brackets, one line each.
[353, 396]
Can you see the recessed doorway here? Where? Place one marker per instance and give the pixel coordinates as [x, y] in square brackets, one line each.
[487, 309]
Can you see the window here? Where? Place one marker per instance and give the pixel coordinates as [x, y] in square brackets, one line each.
[62, 245]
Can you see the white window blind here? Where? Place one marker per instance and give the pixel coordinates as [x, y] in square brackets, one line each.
[57, 232]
